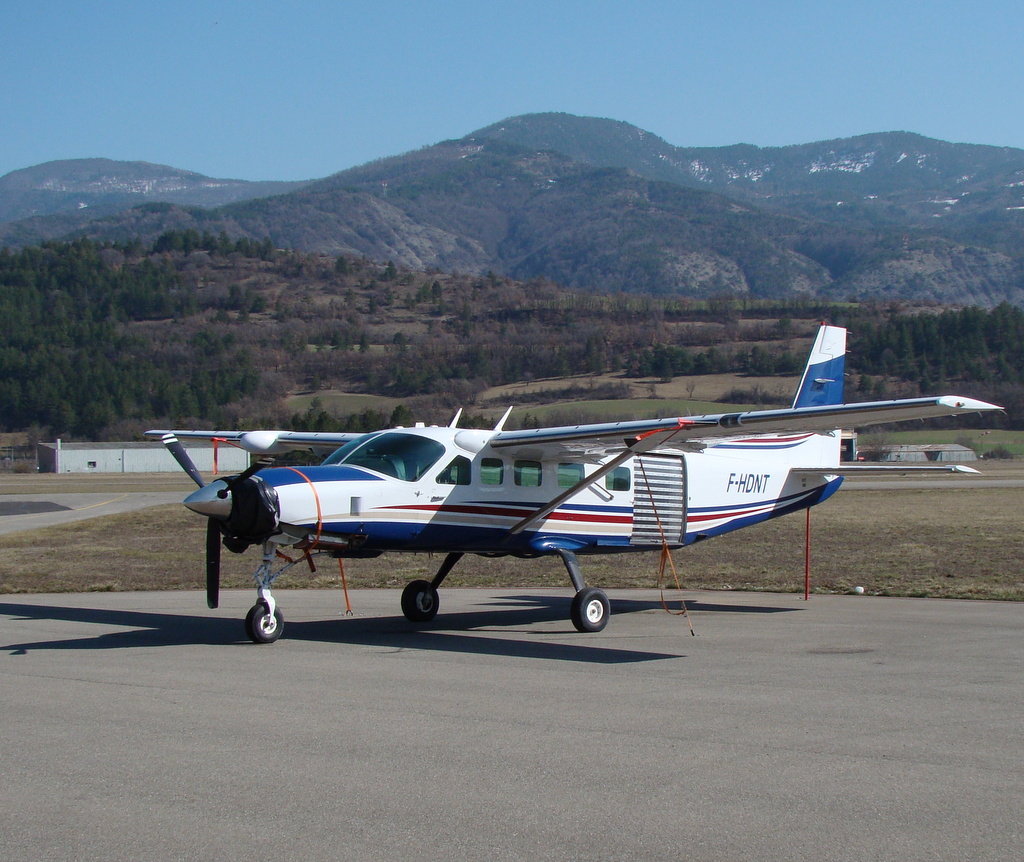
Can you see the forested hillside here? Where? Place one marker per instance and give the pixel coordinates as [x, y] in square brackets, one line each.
[101, 340]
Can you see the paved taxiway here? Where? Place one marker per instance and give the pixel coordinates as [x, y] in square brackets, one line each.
[142, 726]
[35, 500]
[23, 512]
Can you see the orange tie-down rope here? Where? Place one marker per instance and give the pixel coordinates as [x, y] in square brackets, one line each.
[666, 557]
[316, 540]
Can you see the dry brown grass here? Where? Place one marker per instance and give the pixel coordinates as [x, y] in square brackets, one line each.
[951, 542]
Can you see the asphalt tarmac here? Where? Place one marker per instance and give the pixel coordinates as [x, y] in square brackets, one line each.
[142, 726]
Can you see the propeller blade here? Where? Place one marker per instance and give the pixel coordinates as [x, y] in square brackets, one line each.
[252, 469]
[212, 563]
[181, 456]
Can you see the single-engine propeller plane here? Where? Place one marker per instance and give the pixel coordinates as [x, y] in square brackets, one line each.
[611, 487]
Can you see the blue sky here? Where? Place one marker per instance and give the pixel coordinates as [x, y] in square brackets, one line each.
[295, 90]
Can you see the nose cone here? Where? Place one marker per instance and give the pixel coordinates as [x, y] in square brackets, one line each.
[206, 502]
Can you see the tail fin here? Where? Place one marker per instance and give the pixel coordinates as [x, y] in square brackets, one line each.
[822, 383]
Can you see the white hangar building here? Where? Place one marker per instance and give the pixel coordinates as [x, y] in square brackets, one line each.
[62, 457]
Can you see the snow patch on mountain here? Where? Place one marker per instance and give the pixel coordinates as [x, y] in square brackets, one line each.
[850, 164]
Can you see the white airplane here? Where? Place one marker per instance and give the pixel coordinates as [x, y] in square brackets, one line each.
[612, 487]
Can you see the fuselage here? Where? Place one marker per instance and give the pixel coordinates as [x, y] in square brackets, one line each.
[445, 489]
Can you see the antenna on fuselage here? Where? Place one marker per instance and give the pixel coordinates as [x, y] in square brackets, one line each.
[501, 421]
[455, 421]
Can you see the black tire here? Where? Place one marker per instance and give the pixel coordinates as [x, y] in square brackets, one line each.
[420, 601]
[590, 610]
[261, 627]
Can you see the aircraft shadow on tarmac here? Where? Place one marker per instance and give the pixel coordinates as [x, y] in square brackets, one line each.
[509, 614]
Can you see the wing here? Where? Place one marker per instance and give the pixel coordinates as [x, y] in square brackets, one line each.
[268, 442]
[687, 432]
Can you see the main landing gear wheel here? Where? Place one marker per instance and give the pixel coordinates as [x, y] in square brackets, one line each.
[420, 601]
[261, 626]
[590, 610]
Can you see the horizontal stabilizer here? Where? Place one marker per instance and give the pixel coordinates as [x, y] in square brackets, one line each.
[859, 470]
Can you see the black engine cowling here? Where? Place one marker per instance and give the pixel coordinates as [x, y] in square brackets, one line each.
[255, 515]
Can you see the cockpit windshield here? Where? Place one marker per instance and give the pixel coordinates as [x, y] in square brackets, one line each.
[338, 455]
[402, 456]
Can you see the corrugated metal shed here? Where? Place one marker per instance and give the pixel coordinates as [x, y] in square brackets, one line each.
[942, 452]
[62, 457]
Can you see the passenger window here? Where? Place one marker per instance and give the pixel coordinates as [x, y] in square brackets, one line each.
[569, 475]
[527, 474]
[492, 471]
[456, 473]
[618, 479]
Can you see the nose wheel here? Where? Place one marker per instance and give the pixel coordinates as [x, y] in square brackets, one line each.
[262, 626]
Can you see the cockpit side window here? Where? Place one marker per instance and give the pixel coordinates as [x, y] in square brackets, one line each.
[456, 473]
[402, 456]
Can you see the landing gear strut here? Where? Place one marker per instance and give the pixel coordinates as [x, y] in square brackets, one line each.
[590, 607]
[264, 623]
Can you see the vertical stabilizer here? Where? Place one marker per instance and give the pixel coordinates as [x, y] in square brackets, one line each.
[822, 383]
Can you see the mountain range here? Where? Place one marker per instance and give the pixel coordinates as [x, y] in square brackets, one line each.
[896, 178]
[600, 205]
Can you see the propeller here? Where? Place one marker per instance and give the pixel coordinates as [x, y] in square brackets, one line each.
[213, 533]
[214, 524]
[182, 457]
